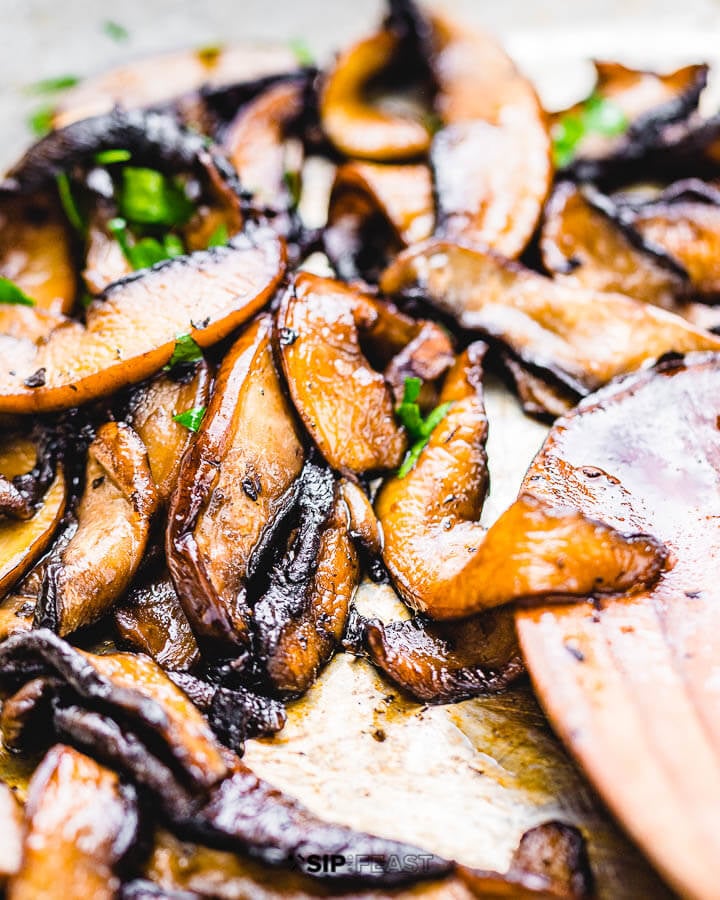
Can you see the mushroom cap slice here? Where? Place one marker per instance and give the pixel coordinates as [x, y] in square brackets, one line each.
[130, 330]
[114, 516]
[344, 403]
[81, 822]
[643, 454]
[578, 337]
[236, 482]
[444, 563]
[11, 815]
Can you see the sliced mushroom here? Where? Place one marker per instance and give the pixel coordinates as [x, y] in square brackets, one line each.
[344, 403]
[491, 160]
[105, 261]
[152, 411]
[114, 516]
[130, 331]
[36, 252]
[300, 619]
[447, 662]
[22, 542]
[152, 621]
[11, 816]
[443, 561]
[376, 210]
[235, 484]
[580, 338]
[362, 522]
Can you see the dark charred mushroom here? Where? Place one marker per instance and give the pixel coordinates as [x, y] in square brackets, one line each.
[130, 331]
[236, 482]
[81, 824]
[113, 517]
[445, 563]
[578, 337]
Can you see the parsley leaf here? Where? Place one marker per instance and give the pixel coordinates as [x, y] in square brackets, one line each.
[598, 115]
[108, 157]
[291, 178]
[303, 54]
[418, 428]
[145, 252]
[147, 197]
[219, 237]
[11, 293]
[40, 122]
[53, 85]
[115, 31]
[186, 352]
[191, 418]
[70, 207]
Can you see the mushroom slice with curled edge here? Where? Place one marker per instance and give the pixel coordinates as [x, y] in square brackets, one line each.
[152, 412]
[82, 821]
[491, 160]
[130, 331]
[300, 619]
[236, 483]
[152, 621]
[11, 816]
[114, 516]
[449, 661]
[128, 686]
[444, 563]
[36, 252]
[376, 210]
[346, 404]
[22, 542]
[578, 337]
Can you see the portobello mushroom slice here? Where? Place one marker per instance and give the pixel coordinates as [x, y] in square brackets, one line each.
[11, 815]
[376, 210]
[113, 516]
[128, 686]
[23, 539]
[491, 160]
[444, 563]
[344, 402]
[300, 619]
[82, 821]
[577, 337]
[153, 410]
[449, 661]
[152, 621]
[36, 251]
[130, 331]
[236, 483]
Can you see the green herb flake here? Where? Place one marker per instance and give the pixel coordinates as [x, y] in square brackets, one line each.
[115, 31]
[10, 293]
[303, 54]
[147, 251]
[191, 418]
[293, 183]
[70, 207]
[604, 116]
[40, 122]
[147, 197]
[186, 352]
[219, 237]
[53, 85]
[598, 115]
[108, 157]
[209, 54]
[418, 428]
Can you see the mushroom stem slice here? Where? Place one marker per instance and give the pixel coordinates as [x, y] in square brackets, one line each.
[236, 483]
[81, 823]
[130, 331]
[114, 517]
[580, 338]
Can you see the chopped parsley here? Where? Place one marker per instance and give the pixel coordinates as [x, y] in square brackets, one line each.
[147, 197]
[219, 237]
[191, 418]
[40, 121]
[115, 31]
[146, 251]
[108, 157]
[70, 207]
[53, 85]
[186, 352]
[597, 115]
[303, 54]
[293, 183]
[12, 294]
[418, 428]
[209, 54]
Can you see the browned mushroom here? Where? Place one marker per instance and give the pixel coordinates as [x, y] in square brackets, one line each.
[35, 251]
[11, 816]
[153, 411]
[22, 542]
[235, 483]
[114, 516]
[81, 823]
[445, 563]
[491, 161]
[578, 337]
[130, 331]
[105, 261]
[449, 661]
[300, 619]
